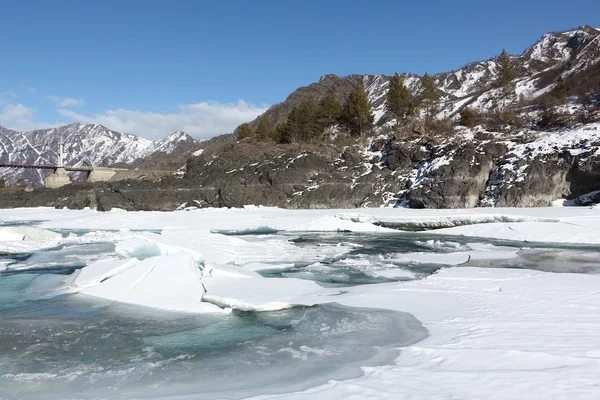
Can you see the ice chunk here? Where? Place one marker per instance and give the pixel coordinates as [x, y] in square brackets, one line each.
[434, 258]
[99, 271]
[333, 223]
[261, 294]
[24, 239]
[228, 271]
[205, 246]
[259, 266]
[490, 252]
[138, 248]
[394, 273]
[165, 282]
[261, 230]
[12, 233]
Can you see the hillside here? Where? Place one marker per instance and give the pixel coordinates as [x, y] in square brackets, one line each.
[557, 55]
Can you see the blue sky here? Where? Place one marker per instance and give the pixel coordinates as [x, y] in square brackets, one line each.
[151, 67]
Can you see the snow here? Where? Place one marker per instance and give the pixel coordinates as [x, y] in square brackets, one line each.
[581, 142]
[575, 141]
[12, 233]
[165, 282]
[476, 252]
[494, 333]
[22, 239]
[556, 219]
[255, 293]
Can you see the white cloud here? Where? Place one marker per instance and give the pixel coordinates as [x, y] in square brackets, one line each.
[25, 125]
[66, 102]
[201, 120]
[16, 111]
[18, 117]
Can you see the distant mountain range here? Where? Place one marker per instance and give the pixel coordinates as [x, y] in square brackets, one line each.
[83, 145]
[557, 55]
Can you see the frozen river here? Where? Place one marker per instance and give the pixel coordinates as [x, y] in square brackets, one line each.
[367, 312]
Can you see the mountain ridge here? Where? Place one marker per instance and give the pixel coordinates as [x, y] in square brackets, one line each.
[556, 55]
[84, 144]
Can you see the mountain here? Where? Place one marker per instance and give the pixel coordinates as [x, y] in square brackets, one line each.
[557, 55]
[529, 165]
[83, 145]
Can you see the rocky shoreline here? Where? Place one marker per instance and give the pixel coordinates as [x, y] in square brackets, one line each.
[469, 169]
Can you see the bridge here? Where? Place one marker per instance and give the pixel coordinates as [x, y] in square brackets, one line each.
[46, 166]
[60, 178]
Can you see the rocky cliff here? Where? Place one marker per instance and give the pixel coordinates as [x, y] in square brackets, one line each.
[472, 168]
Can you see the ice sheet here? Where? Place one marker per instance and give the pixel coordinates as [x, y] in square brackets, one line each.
[488, 327]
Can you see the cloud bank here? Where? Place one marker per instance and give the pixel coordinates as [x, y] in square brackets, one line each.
[18, 117]
[201, 120]
[12, 112]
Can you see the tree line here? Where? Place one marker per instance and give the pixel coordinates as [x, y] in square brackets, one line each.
[310, 120]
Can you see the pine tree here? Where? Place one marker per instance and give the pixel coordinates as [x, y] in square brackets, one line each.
[280, 134]
[560, 91]
[398, 100]
[329, 112]
[357, 115]
[288, 130]
[263, 130]
[308, 118]
[469, 117]
[244, 131]
[429, 95]
[302, 124]
[506, 74]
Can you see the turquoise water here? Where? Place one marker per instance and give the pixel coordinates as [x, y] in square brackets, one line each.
[68, 346]
[371, 253]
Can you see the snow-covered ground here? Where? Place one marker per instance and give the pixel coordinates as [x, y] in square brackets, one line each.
[552, 224]
[493, 333]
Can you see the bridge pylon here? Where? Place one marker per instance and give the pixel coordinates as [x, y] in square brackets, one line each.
[57, 179]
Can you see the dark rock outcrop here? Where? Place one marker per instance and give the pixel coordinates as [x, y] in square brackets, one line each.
[456, 179]
[458, 172]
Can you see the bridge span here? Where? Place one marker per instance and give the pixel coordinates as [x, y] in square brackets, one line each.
[60, 178]
[46, 166]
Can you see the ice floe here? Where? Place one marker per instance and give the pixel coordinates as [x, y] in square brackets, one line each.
[189, 274]
[164, 282]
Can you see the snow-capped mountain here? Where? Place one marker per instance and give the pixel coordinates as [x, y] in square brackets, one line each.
[176, 143]
[83, 145]
[556, 55]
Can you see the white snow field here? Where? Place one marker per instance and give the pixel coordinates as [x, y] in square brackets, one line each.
[493, 333]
